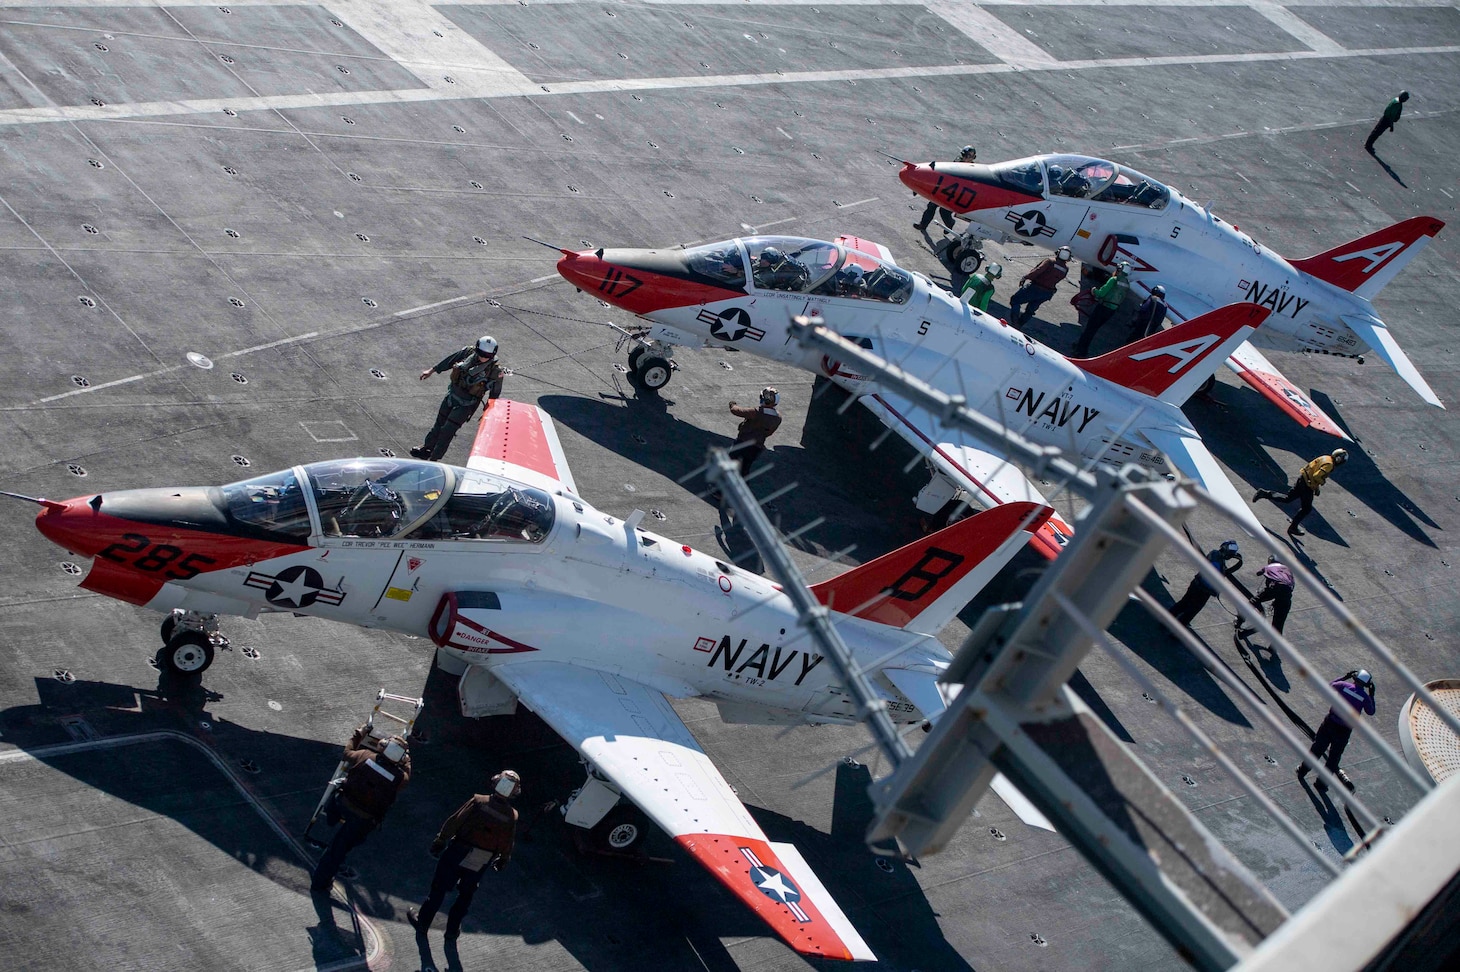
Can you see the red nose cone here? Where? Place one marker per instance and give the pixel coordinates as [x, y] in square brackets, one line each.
[921, 179]
[74, 527]
[583, 270]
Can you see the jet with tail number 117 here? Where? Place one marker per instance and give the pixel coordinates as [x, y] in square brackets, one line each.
[533, 596]
[1105, 213]
[1119, 408]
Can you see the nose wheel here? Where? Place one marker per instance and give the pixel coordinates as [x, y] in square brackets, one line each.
[189, 642]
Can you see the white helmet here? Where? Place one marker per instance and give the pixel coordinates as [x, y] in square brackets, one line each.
[993, 271]
[1063, 253]
[1363, 677]
[770, 397]
[1123, 266]
[1339, 456]
[507, 784]
[486, 346]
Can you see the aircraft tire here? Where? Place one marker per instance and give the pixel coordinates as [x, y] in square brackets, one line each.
[968, 261]
[622, 831]
[637, 355]
[654, 372]
[189, 653]
[169, 625]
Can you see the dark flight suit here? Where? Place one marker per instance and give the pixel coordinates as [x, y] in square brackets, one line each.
[1278, 588]
[1333, 735]
[471, 380]
[361, 803]
[759, 424]
[478, 836]
[1199, 592]
[1392, 111]
[1039, 286]
[1149, 317]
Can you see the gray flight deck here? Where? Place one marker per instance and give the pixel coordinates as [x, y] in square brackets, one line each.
[316, 201]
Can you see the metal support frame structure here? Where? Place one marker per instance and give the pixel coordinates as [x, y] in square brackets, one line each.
[1015, 714]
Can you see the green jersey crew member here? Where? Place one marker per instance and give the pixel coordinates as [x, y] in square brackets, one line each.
[475, 373]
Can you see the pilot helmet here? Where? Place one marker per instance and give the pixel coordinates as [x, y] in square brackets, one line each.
[1158, 291]
[507, 784]
[395, 749]
[968, 154]
[1055, 172]
[771, 255]
[769, 397]
[487, 346]
[1340, 456]
[993, 271]
[1062, 254]
[1229, 546]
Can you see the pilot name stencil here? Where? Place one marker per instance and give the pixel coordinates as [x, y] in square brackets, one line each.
[762, 662]
[1059, 412]
[1274, 297]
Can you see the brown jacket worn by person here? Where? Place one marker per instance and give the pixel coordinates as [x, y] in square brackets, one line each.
[370, 790]
[486, 821]
[759, 423]
[1048, 274]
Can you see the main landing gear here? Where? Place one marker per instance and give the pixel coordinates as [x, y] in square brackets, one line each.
[603, 822]
[189, 642]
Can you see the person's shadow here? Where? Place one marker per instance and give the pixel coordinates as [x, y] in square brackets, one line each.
[1333, 824]
[1392, 174]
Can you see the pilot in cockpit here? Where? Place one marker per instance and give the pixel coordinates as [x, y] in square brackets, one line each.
[1067, 182]
[851, 282]
[775, 270]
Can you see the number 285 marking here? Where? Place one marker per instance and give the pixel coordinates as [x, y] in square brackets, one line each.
[140, 552]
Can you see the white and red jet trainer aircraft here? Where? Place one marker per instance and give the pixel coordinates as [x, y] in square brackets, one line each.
[588, 620]
[1106, 212]
[1119, 408]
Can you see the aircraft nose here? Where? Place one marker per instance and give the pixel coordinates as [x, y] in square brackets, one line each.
[962, 187]
[74, 525]
[921, 179]
[640, 281]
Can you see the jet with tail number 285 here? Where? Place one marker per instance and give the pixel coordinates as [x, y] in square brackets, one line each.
[1105, 213]
[533, 596]
[1122, 407]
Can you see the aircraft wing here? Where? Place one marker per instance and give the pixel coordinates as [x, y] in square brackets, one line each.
[986, 475]
[1377, 336]
[1190, 455]
[519, 441]
[634, 737]
[1252, 366]
[921, 689]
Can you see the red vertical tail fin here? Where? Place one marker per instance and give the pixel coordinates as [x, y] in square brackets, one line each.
[1365, 265]
[1173, 364]
[923, 585]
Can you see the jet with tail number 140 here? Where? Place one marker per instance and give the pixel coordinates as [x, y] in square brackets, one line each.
[1105, 213]
[1119, 408]
[533, 596]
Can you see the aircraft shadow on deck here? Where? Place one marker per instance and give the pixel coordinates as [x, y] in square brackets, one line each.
[610, 914]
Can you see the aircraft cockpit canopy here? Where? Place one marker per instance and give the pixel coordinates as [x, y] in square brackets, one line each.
[273, 503]
[375, 498]
[1082, 177]
[817, 267]
[484, 507]
[718, 261]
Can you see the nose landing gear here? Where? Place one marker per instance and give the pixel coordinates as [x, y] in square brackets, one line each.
[650, 360]
[189, 642]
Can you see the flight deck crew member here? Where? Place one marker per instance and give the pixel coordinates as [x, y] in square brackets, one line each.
[475, 373]
[757, 425]
[476, 837]
[371, 784]
[1357, 689]
[1151, 314]
[978, 290]
[1308, 485]
[1225, 558]
[1038, 286]
[1278, 588]
[1108, 298]
[1392, 111]
[946, 215]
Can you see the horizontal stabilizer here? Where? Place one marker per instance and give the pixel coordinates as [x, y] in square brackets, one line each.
[1373, 333]
[1365, 265]
[1252, 366]
[1171, 365]
[1192, 458]
[923, 585]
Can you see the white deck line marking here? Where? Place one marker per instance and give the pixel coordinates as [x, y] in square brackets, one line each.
[1299, 28]
[991, 33]
[272, 344]
[425, 307]
[91, 113]
[109, 384]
